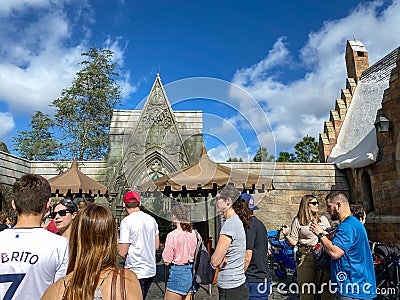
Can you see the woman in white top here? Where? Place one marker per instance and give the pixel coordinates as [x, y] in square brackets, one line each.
[301, 235]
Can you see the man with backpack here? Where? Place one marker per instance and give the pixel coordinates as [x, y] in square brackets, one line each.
[258, 278]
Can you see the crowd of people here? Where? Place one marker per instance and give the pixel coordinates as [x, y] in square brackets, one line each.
[70, 249]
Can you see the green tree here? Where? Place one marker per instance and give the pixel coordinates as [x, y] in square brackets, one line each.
[263, 155]
[307, 150]
[286, 157]
[235, 159]
[37, 143]
[3, 147]
[84, 111]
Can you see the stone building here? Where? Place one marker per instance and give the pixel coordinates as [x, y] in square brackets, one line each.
[149, 143]
[362, 138]
[156, 140]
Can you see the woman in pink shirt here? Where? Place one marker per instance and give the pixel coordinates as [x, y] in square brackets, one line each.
[178, 254]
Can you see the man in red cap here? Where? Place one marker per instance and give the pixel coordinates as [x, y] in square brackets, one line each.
[138, 241]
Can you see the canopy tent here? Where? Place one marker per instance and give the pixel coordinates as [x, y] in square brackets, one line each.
[75, 182]
[203, 178]
[207, 175]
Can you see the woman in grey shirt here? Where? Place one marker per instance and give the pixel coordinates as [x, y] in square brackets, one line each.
[230, 251]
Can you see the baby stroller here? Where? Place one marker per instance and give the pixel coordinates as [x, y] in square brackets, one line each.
[282, 255]
[387, 270]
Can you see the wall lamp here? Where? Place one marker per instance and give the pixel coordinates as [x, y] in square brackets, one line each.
[382, 124]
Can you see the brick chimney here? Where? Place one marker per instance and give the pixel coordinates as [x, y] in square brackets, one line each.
[356, 59]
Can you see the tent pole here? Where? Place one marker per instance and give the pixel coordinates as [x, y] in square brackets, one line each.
[207, 229]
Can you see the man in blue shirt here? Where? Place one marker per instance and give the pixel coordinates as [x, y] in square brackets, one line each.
[353, 275]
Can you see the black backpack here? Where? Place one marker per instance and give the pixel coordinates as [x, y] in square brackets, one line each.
[203, 271]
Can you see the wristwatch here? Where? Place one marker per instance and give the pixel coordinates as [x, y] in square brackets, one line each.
[320, 235]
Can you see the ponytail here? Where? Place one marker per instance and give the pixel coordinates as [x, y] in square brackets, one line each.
[241, 208]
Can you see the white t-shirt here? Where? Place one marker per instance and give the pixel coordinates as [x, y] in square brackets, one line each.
[139, 230]
[31, 259]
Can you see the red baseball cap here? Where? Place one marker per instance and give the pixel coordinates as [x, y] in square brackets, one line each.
[131, 197]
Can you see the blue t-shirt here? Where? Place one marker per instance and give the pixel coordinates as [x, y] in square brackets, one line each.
[353, 274]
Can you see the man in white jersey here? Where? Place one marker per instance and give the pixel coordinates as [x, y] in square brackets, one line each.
[138, 241]
[31, 258]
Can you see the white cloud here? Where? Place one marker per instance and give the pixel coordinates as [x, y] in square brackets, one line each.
[223, 152]
[7, 124]
[39, 55]
[10, 6]
[301, 107]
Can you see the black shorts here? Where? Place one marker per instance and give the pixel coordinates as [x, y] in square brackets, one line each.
[238, 293]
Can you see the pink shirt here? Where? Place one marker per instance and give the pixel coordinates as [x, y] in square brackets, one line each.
[180, 247]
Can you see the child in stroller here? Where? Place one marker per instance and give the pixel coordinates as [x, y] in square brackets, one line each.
[282, 255]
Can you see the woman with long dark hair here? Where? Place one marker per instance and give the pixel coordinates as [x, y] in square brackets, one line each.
[230, 251]
[92, 267]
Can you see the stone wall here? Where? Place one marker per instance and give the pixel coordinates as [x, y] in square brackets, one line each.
[377, 186]
[291, 181]
[12, 167]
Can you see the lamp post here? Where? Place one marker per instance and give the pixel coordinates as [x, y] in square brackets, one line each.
[111, 199]
[382, 124]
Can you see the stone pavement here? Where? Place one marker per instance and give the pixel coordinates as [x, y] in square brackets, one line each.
[157, 288]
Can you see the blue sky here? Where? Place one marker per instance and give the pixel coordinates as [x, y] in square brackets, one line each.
[287, 56]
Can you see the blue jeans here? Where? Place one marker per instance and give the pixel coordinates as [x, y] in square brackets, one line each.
[259, 290]
[145, 284]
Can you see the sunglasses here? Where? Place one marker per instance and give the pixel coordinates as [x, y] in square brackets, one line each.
[314, 203]
[61, 213]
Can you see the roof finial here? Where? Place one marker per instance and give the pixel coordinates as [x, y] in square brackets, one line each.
[74, 163]
[203, 149]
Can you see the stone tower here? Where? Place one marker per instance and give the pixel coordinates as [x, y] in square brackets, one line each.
[356, 62]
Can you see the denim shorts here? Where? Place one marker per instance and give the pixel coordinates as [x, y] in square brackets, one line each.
[180, 279]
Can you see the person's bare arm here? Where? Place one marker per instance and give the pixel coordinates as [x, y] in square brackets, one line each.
[291, 241]
[157, 242]
[123, 250]
[247, 259]
[334, 251]
[220, 250]
[54, 291]
[132, 285]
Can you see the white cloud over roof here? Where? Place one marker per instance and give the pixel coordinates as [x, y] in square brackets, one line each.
[301, 106]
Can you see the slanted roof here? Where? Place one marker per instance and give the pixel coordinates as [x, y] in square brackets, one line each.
[356, 144]
[357, 46]
[75, 182]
